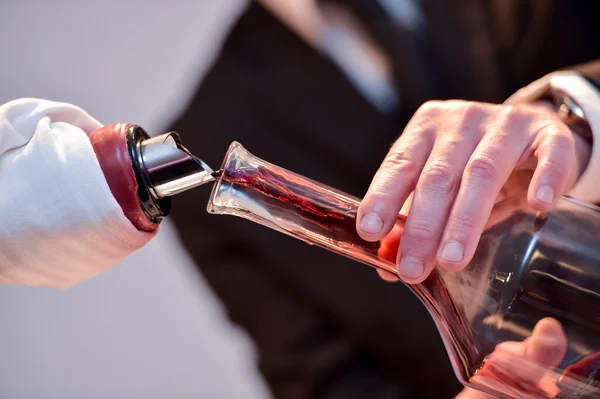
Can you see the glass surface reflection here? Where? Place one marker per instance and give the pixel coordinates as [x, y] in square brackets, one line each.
[521, 321]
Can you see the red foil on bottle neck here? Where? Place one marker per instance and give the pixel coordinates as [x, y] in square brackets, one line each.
[110, 146]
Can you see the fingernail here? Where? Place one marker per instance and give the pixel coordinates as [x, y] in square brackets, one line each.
[452, 251]
[371, 223]
[545, 194]
[411, 267]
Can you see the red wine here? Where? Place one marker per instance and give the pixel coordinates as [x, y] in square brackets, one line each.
[328, 218]
[319, 212]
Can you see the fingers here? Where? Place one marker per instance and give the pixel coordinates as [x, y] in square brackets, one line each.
[532, 360]
[456, 158]
[537, 355]
[387, 276]
[555, 170]
[393, 183]
[433, 198]
[548, 343]
[487, 170]
[470, 393]
[389, 250]
[407, 204]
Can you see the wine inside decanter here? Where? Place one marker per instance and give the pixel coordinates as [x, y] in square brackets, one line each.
[527, 268]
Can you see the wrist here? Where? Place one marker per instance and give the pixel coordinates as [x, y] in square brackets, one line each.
[576, 101]
[564, 109]
[571, 114]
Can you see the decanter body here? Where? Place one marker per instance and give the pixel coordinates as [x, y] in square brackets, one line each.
[527, 267]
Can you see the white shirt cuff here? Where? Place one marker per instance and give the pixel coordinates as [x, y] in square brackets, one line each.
[587, 96]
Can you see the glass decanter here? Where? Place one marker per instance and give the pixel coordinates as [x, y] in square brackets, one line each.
[529, 271]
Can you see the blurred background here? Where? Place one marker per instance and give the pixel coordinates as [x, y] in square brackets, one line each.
[217, 307]
[151, 327]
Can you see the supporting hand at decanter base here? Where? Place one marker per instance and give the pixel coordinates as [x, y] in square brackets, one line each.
[459, 158]
[529, 363]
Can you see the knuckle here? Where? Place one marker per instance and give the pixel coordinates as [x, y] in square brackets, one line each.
[430, 108]
[515, 113]
[420, 231]
[558, 154]
[483, 168]
[473, 110]
[453, 142]
[559, 170]
[561, 141]
[463, 220]
[400, 162]
[428, 105]
[420, 129]
[438, 176]
[511, 117]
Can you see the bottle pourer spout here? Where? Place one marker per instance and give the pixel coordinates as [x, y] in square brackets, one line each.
[163, 167]
[169, 167]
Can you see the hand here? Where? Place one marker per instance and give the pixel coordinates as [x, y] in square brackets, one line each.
[531, 362]
[458, 159]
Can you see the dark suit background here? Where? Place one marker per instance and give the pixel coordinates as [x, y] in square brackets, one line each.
[325, 326]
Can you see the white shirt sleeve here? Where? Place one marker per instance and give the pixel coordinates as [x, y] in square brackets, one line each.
[587, 96]
[59, 223]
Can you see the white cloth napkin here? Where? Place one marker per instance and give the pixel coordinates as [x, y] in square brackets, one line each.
[59, 223]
